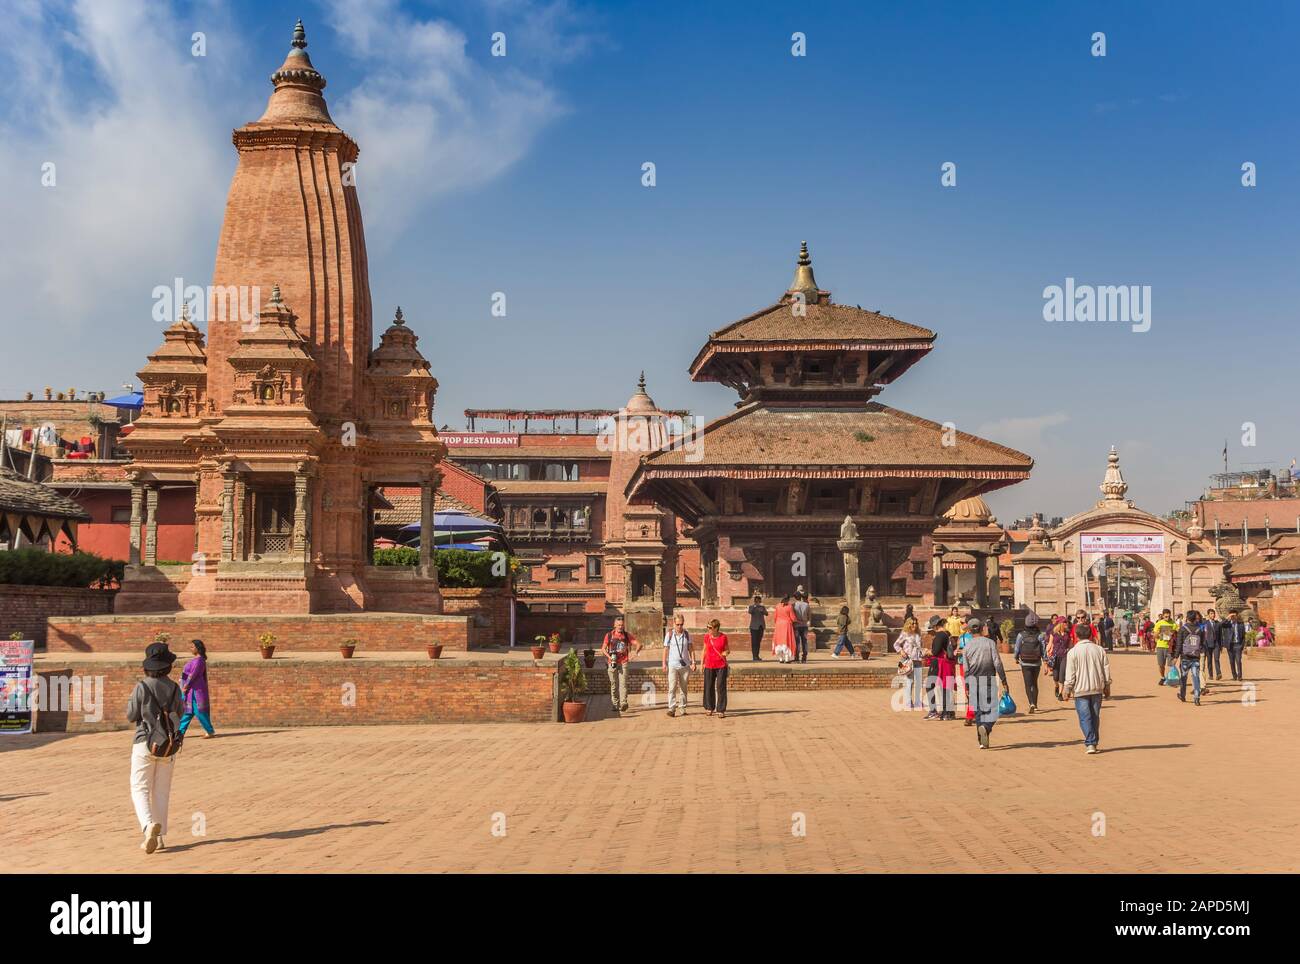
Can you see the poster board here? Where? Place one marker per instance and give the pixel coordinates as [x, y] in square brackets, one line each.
[16, 659]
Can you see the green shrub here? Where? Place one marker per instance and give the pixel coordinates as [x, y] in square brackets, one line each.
[35, 567]
[457, 568]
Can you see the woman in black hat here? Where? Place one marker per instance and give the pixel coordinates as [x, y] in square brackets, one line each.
[155, 708]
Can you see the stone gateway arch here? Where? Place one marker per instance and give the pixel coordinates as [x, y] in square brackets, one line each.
[1052, 573]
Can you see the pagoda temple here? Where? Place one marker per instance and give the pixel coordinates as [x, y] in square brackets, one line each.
[284, 424]
[812, 482]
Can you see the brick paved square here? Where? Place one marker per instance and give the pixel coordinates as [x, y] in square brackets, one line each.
[1181, 788]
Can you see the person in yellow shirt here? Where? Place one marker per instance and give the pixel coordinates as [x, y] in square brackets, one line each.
[954, 625]
[1164, 631]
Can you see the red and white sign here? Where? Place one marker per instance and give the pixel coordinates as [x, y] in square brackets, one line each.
[478, 438]
[1121, 543]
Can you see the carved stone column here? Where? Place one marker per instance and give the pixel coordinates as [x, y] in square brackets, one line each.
[659, 583]
[301, 511]
[136, 538]
[852, 580]
[227, 515]
[627, 583]
[427, 567]
[940, 589]
[151, 526]
[981, 581]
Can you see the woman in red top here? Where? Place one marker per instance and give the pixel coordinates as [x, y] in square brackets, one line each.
[715, 669]
[783, 634]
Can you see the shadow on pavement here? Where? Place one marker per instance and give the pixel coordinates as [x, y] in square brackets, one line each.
[279, 835]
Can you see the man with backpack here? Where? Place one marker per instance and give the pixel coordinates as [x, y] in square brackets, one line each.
[1187, 650]
[155, 709]
[1029, 654]
[618, 647]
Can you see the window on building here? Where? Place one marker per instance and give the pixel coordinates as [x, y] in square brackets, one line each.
[595, 568]
[564, 574]
[119, 513]
[539, 517]
[918, 570]
[893, 502]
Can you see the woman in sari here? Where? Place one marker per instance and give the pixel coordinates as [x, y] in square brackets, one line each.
[783, 633]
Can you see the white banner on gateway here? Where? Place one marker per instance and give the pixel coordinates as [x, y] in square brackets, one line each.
[1121, 542]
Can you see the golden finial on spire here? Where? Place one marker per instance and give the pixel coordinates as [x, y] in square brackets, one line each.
[803, 275]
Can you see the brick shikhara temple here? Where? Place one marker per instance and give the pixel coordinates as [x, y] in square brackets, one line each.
[285, 424]
[812, 482]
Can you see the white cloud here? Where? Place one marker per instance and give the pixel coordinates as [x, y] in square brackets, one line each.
[1023, 432]
[431, 118]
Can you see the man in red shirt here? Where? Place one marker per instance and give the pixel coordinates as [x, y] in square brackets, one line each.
[618, 647]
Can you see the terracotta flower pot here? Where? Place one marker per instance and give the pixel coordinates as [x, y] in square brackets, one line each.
[574, 712]
[268, 652]
[553, 646]
[434, 650]
[538, 652]
[347, 651]
[589, 657]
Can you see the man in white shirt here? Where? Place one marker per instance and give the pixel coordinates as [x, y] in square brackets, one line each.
[1087, 679]
[679, 660]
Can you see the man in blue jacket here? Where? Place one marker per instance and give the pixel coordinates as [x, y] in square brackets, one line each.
[1211, 667]
[1232, 637]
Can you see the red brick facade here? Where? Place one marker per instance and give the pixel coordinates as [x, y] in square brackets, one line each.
[24, 609]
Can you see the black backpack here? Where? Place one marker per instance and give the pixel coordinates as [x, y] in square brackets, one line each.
[1031, 647]
[162, 738]
[1192, 644]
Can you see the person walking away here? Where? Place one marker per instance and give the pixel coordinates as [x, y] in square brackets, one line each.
[942, 677]
[194, 691]
[1087, 681]
[842, 633]
[983, 665]
[908, 646]
[1058, 648]
[618, 647]
[715, 670]
[757, 624]
[783, 633]
[961, 642]
[679, 663]
[1232, 635]
[1187, 651]
[802, 616]
[154, 708]
[1211, 665]
[1164, 631]
[1028, 652]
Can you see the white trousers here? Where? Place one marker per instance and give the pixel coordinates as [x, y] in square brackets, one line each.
[677, 676]
[151, 786]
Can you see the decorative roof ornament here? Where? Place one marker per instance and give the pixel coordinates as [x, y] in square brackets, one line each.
[1037, 533]
[641, 402]
[803, 274]
[397, 317]
[297, 69]
[1113, 486]
[299, 35]
[276, 301]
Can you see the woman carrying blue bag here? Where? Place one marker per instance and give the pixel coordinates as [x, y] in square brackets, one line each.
[983, 666]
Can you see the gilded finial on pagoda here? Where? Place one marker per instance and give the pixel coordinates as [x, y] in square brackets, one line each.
[804, 282]
[299, 35]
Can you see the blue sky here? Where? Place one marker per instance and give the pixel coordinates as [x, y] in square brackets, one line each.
[522, 174]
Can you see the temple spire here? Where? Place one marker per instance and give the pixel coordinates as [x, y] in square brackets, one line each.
[803, 275]
[299, 35]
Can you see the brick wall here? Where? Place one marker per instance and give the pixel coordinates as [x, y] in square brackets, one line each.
[316, 632]
[864, 675]
[24, 609]
[488, 611]
[1281, 610]
[285, 692]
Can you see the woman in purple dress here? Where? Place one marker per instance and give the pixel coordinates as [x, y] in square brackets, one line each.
[194, 689]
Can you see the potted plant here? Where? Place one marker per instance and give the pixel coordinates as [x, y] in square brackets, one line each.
[267, 643]
[553, 641]
[539, 647]
[434, 650]
[161, 637]
[1006, 636]
[573, 682]
[865, 649]
[589, 657]
[348, 647]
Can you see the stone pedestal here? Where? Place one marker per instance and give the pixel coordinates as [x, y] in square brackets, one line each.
[852, 586]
